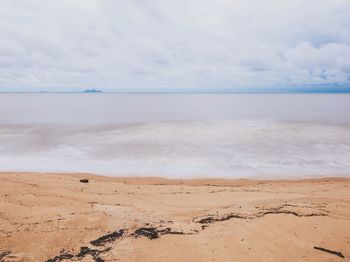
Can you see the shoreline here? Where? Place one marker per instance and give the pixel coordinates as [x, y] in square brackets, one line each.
[198, 181]
[55, 216]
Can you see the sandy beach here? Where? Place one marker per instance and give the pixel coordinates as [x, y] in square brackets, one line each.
[174, 131]
[56, 217]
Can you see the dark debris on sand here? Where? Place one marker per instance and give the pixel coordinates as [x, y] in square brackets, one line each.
[84, 251]
[108, 238]
[150, 233]
[212, 219]
[60, 257]
[154, 233]
[93, 252]
[3, 254]
[273, 211]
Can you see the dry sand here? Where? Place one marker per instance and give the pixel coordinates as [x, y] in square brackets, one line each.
[45, 216]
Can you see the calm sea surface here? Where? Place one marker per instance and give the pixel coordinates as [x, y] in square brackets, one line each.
[177, 135]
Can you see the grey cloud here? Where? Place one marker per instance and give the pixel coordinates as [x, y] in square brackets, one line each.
[173, 44]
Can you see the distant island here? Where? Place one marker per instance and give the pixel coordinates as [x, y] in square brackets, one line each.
[92, 91]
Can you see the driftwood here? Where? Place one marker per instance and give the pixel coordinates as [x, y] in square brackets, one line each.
[337, 253]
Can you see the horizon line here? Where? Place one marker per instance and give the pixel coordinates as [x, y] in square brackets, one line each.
[183, 92]
[250, 90]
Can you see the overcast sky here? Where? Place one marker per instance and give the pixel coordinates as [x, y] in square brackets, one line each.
[126, 44]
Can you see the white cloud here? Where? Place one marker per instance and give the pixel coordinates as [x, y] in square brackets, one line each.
[173, 44]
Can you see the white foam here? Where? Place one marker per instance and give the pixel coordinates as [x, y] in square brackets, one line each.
[232, 148]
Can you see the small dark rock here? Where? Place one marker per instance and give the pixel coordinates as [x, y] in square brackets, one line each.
[84, 180]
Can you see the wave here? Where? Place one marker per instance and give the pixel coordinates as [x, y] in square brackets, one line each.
[180, 149]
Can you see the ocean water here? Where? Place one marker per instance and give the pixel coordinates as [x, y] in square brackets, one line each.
[177, 135]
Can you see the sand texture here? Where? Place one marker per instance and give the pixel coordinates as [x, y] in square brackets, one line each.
[55, 217]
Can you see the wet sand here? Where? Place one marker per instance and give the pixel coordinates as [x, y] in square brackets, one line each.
[57, 217]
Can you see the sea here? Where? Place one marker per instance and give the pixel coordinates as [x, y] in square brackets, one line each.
[177, 135]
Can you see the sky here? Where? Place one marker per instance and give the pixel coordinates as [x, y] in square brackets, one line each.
[67, 45]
